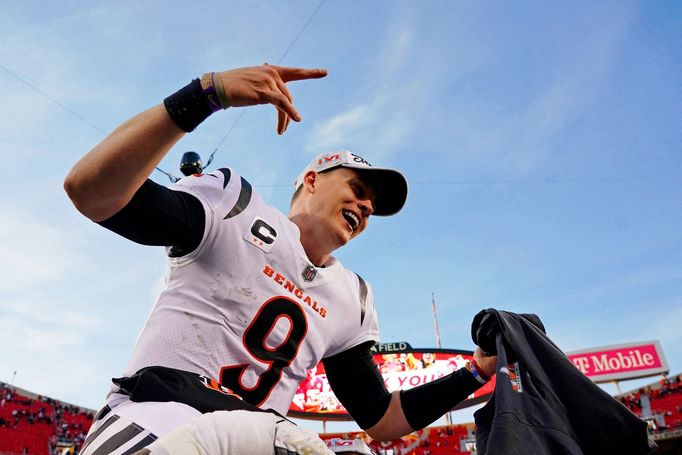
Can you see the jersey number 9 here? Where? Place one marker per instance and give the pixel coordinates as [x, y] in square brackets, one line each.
[277, 358]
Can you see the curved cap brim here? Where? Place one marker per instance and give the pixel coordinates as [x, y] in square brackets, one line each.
[391, 191]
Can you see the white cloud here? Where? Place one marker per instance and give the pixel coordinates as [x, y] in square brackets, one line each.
[34, 253]
[337, 129]
[42, 335]
[376, 126]
[396, 55]
[51, 356]
[372, 129]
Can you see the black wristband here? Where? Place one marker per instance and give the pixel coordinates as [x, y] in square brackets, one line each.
[188, 107]
[426, 403]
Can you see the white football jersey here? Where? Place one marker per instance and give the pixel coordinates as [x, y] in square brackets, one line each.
[247, 307]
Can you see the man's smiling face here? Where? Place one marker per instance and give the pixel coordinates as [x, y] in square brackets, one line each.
[342, 203]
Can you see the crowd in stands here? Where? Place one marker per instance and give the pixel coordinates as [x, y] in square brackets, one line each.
[445, 440]
[450, 439]
[660, 404]
[40, 425]
[37, 425]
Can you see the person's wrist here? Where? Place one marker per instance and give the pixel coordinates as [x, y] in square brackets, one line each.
[212, 87]
[477, 372]
[188, 107]
[220, 89]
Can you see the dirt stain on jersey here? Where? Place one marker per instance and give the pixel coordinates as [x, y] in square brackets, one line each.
[247, 292]
[200, 337]
[217, 287]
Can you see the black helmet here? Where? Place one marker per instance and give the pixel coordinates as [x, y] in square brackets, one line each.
[191, 163]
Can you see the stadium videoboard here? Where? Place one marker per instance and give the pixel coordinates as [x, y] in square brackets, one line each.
[402, 368]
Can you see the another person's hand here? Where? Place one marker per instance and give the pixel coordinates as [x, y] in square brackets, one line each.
[488, 364]
[291, 439]
[266, 84]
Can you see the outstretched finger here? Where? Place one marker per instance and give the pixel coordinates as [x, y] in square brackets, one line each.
[281, 102]
[276, 85]
[287, 119]
[281, 121]
[289, 74]
[283, 88]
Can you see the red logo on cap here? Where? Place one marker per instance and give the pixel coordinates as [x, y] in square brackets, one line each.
[328, 159]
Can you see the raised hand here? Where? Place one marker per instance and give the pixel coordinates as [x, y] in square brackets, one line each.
[487, 363]
[266, 84]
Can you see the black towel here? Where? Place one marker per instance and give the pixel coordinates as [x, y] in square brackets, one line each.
[542, 404]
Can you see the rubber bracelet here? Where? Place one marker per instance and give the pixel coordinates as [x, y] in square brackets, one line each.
[209, 89]
[477, 372]
[222, 96]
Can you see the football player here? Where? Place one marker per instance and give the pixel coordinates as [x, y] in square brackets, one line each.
[253, 297]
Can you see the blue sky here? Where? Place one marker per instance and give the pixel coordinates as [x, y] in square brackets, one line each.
[541, 142]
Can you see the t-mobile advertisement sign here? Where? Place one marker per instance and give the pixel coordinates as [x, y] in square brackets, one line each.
[623, 361]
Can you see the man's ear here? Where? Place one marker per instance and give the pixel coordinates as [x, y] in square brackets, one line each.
[310, 181]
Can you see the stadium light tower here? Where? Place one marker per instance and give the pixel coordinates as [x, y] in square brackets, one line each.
[448, 416]
[435, 320]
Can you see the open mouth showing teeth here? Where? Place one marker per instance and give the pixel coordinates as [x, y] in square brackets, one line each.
[351, 219]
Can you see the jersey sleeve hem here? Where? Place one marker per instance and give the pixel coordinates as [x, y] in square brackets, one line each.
[208, 227]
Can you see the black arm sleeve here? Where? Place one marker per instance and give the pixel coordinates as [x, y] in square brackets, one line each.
[357, 383]
[157, 215]
[427, 402]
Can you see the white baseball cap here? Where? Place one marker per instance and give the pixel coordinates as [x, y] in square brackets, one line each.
[391, 191]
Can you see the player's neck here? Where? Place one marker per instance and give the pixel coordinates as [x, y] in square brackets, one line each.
[317, 254]
[317, 259]
[315, 246]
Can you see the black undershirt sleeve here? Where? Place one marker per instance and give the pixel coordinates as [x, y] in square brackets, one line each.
[426, 403]
[157, 215]
[357, 383]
